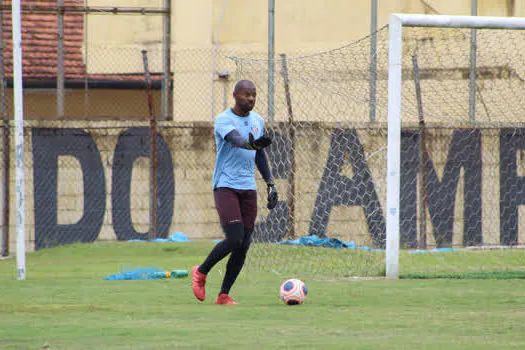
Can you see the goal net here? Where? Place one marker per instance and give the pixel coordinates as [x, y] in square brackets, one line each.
[418, 162]
[328, 161]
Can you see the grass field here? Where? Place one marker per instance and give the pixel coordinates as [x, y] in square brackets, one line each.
[65, 303]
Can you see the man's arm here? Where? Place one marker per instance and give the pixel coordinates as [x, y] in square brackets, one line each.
[237, 140]
[262, 164]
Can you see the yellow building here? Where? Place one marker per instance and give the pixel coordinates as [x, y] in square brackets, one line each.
[106, 48]
[240, 28]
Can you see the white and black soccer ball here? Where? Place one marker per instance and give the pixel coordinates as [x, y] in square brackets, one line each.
[293, 292]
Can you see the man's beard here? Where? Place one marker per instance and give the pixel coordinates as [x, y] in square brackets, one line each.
[246, 107]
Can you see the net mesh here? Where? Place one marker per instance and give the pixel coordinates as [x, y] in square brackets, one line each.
[328, 160]
[460, 162]
[468, 153]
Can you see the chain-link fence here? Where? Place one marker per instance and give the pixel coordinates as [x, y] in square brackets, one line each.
[460, 183]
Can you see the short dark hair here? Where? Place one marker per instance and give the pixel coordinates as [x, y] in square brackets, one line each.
[242, 84]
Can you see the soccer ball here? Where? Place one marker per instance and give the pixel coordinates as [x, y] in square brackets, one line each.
[293, 292]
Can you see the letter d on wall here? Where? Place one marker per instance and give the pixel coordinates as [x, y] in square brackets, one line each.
[48, 146]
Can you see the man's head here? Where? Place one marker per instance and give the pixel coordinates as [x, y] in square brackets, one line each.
[245, 95]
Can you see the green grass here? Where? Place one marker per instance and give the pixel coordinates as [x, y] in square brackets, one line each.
[66, 304]
[490, 263]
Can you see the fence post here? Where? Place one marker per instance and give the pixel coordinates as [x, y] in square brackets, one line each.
[152, 152]
[422, 160]
[271, 57]
[373, 59]
[60, 60]
[6, 149]
[472, 65]
[166, 103]
[291, 154]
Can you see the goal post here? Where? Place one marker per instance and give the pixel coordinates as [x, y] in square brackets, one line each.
[395, 77]
[426, 187]
[19, 142]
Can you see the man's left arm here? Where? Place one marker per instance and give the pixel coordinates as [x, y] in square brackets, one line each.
[262, 165]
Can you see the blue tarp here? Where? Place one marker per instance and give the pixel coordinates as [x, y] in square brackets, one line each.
[175, 237]
[312, 241]
[327, 242]
[145, 273]
[437, 250]
[135, 273]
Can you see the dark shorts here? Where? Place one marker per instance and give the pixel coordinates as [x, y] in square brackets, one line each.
[236, 206]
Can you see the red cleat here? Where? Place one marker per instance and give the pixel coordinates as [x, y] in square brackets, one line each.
[198, 282]
[224, 299]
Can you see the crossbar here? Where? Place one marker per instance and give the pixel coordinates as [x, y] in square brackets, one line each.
[474, 22]
[395, 29]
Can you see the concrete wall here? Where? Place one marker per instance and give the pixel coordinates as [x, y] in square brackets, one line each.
[92, 104]
[340, 184]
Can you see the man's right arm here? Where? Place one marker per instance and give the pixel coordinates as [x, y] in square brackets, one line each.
[236, 139]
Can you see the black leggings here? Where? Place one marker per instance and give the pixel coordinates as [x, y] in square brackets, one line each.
[237, 242]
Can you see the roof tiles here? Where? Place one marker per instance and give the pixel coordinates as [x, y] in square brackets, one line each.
[40, 44]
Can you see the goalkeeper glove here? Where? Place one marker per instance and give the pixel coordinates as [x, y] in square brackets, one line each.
[273, 197]
[261, 142]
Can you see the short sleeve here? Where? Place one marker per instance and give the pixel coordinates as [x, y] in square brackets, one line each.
[223, 125]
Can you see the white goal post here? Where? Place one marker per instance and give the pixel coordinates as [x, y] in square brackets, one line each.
[19, 141]
[396, 24]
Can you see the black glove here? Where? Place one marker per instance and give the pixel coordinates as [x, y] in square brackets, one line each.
[273, 197]
[261, 142]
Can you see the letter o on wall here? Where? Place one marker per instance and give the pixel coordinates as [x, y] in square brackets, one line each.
[132, 144]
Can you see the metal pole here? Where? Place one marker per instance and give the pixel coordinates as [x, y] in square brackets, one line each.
[511, 7]
[472, 67]
[373, 59]
[422, 160]
[395, 50]
[224, 94]
[271, 54]
[152, 152]
[6, 149]
[86, 58]
[166, 64]
[60, 60]
[19, 141]
[99, 10]
[291, 153]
